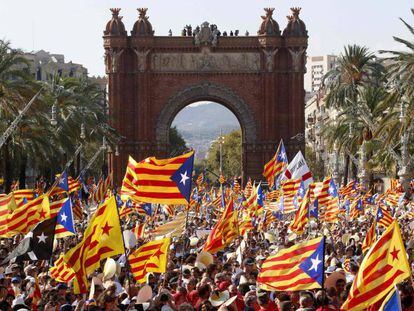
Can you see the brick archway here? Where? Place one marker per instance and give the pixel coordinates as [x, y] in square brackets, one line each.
[259, 78]
[207, 92]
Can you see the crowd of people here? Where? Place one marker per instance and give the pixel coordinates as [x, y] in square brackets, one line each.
[194, 280]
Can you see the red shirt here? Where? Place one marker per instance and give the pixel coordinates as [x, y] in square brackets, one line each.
[271, 306]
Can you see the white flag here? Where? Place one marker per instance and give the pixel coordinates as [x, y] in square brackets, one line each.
[298, 168]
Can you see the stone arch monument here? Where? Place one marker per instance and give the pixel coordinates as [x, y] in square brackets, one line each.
[259, 78]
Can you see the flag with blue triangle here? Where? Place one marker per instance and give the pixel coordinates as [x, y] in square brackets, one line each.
[183, 177]
[65, 224]
[392, 302]
[63, 182]
[260, 196]
[147, 207]
[313, 209]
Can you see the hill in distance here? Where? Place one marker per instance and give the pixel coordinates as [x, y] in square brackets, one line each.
[201, 124]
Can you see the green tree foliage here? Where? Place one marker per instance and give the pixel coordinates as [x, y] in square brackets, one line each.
[36, 141]
[177, 143]
[231, 153]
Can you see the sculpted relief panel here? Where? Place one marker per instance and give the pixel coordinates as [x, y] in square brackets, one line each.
[205, 61]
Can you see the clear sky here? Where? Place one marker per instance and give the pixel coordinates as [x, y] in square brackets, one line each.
[74, 27]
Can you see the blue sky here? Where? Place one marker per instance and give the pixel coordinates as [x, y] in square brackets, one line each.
[74, 27]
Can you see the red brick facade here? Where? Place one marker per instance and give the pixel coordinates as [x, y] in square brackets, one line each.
[259, 78]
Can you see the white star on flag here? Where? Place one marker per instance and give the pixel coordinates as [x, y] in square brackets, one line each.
[64, 217]
[42, 238]
[184, 178]
[315, 263]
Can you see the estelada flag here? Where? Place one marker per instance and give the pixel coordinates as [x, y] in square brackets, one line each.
[383, 266]
[300, 267]
[163, 181]
[102, 239]
[150, 257]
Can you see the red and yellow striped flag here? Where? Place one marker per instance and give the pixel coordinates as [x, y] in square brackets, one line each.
[290, 187]
[26, 216]
[248, 189]
[61, 272]
[7, 206]
[370, 238]
[383, 266]
[301, 216]
[299, 267]
[150, 180]
[150, 257]
[276, 165]
[216, 240]
[139, 230]
[103, 186]
[27, 194]
[384, 217]
[102, 239]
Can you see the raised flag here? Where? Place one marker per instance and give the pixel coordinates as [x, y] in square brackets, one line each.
[37, 244]
[383, 217]
[175, 226]
[104, 185]
[300, 267]
[63, 182]
[384, 265]
[61, 272]
[276, 165]
[370, 237]
[248, 189]
[216, 240]
[392, 302]
[164, 181]
[139, 230]
[313, 210]
[301, 216]
[7, 206]
[355, 208]
[150, 257]
[65, 224]
[26, 216]
[101, 239]
[298, 168]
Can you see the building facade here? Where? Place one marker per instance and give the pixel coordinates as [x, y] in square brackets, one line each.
[316, 68]
[45, 65]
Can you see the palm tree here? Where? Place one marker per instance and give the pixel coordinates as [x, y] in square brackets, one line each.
[401, 91]
[17, 87]
[356, 69]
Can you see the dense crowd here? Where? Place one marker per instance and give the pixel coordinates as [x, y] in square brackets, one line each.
[225, 281]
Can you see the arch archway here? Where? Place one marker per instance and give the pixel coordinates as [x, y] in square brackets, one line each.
[206, 92]
[259, 78]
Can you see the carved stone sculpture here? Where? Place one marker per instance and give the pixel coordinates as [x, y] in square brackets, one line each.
[296, 55]
[141, 59]
[112, 60]
[269, 59]
[206, 36]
